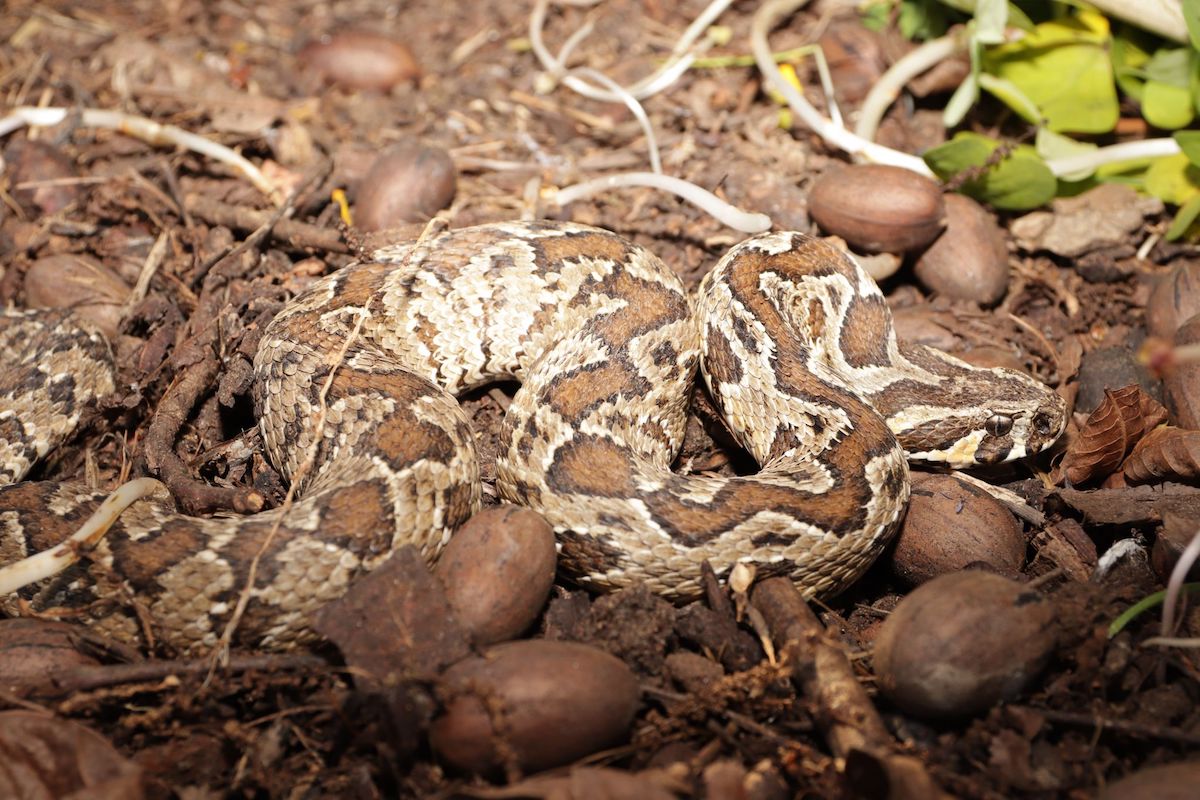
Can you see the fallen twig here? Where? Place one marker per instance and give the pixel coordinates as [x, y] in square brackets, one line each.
[296, 234]
[820, 669]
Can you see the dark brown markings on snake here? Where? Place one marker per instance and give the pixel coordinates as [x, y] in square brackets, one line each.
[863, 339]
[664, 355]
[61, 390]
[741, 329]
[360, 283]
[460, 504]
[593, 466]
[649, 305]
[932, 361]
[934, 435]
[404, 439]
[574, 246]
[695, 523]
[583, 554]
[358, 517]
[722, 365]
[575, 393]
[143, 561]
[40, 531]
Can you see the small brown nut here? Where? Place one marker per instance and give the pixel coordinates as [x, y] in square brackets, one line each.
[33, 650]
[961, 643]
[969, 261]
[497, 571]
[1165, 782]
[1174, 298]
[408, 183]
[544, 703]
[41, 176]
[878, 207]
[80, 283]
[1181, 385]
[951, 525]
[360, 60]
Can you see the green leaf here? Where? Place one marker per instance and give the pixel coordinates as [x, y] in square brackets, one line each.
[1167, 106]
[1184, 218]
[1063, 66]
[1170, 65]
[1173, 179]
[1015, 180]
[1011, 95]
[1191, 15]
[1189, 143]
[875, 16]
[1130, 52]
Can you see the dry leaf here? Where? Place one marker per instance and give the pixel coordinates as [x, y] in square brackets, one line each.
[1165, 453]
[1112, 430]
[46, 757]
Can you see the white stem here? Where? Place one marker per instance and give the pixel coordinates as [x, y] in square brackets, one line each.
[655, 82]
[837, 136]
[707, 201]
[1175, 584]
[145, 129]
[633, 105]
[1126, 151]
[891, 83]
[49, 563]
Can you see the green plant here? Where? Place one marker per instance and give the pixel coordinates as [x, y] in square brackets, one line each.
[1063, 68]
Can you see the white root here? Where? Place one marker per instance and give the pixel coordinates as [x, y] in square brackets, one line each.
[49, 563]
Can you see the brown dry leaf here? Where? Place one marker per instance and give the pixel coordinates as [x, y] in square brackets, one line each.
[1112, 430]
[1164, 453]
[45, 758]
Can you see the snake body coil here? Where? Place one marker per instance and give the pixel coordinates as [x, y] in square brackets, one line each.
[795, 343]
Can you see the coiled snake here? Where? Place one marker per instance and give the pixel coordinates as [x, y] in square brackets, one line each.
[796, 346]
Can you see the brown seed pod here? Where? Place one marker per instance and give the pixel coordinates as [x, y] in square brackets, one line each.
[497, 571]
[408, 183]
[961, 643]
[877, 207]
[360, 60]
[80, 283]
[535, 704]
[951, 525]
[1165, 782]
[969, 261]
[1175, 298]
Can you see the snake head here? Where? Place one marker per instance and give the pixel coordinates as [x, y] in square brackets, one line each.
[998, 415]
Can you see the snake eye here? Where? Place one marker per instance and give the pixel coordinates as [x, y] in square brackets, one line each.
[998, 424]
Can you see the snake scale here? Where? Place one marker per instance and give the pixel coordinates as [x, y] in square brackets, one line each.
[793, 339]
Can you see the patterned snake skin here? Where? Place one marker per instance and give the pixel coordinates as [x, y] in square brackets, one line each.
[796, 346]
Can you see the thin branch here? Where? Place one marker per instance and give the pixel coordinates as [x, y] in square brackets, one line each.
[142, 128]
